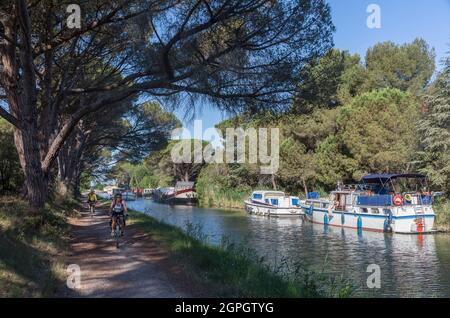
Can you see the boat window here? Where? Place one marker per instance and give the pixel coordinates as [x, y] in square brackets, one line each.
[257, 196]
[274, 201]
[324, 205]
[374, 211]
[316, 204]
[364, 210]
[340, 198]
[267, 201]
[348, 199]
[294, 201]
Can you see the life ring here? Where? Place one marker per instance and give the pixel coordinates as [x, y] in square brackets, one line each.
[408, 197]
[398, 199]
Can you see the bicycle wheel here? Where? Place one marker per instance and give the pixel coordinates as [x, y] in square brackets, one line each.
[117, 235]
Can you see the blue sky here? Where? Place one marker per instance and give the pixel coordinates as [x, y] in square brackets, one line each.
[401, 21]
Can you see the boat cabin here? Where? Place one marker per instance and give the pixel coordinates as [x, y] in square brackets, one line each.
[275, 198]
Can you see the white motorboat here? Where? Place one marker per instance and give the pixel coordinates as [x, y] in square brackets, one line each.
[273, 203]
[182, 193]
[398, 203]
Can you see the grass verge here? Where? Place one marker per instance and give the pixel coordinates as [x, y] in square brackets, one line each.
[233, 271]
[33, 248]
[442, 210]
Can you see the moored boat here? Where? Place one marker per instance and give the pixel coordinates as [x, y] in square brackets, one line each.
[273, 203]
[147, 193]
[398, 203]
[182, 193]
[128, 195]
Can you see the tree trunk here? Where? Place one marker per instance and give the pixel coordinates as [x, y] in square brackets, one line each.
[305, 187]
[274, 184]
[35, 179]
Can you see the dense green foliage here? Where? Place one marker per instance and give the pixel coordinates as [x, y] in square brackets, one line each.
[348, 119]
[377, 133]
[407, 67]
[11, 176]
[435, 131]
[329, 81]
[159, 169]
[337, 77]
[225, 185]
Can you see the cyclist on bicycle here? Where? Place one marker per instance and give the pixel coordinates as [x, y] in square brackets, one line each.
[117, 209]
[92, 200]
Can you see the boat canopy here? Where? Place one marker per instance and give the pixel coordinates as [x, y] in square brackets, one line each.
[383, 177]
[383, 183]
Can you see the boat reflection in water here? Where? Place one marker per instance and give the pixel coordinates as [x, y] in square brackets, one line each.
[415, 265]
[409, 265]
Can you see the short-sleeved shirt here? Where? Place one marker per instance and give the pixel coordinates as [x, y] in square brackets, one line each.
[92, 197]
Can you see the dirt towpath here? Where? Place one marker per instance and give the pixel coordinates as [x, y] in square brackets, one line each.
[139, 268]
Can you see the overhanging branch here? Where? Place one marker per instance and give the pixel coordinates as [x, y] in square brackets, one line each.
[10, 118]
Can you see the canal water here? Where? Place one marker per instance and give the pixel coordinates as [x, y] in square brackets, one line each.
[410, 265]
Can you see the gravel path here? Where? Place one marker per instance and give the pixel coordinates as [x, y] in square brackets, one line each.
[139, 268]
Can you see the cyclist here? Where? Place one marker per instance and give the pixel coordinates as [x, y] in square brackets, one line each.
[117, 208]
[92, 200]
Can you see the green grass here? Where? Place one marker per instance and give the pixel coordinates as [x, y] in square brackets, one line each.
[442, 210]
[216, 196]
[32, 248]
[234, 271]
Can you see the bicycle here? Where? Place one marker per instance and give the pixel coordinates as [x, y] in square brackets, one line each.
[118, 229]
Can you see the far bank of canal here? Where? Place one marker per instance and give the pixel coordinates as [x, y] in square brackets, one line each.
[411, 265]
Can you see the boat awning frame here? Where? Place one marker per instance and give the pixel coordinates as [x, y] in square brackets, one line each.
[385, 178]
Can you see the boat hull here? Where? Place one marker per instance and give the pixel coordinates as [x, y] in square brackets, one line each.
[182, 197]
[268, 210]
[413, 223]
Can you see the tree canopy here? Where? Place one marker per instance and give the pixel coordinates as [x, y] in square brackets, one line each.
[435, 130]
[235, 53]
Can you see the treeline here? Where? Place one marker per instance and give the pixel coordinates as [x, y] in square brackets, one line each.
[62, 87]
[354, 117]
[158, 169]
[350, 117]
[128, 134]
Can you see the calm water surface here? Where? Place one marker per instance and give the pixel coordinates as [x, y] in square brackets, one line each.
[411, 265]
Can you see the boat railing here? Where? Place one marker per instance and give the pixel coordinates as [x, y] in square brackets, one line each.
[388, 200]
[342, 186]
[374, 200]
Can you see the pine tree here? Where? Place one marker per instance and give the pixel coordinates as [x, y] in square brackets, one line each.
[435, 131]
